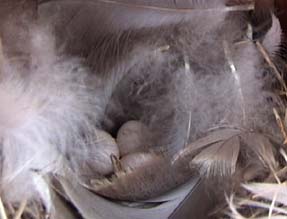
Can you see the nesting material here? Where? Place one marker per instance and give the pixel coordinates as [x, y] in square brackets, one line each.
[185, 92]
[45, 108]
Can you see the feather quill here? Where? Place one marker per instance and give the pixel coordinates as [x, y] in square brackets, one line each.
[268, 191]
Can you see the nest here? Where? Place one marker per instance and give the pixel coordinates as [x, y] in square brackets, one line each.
[241, 166]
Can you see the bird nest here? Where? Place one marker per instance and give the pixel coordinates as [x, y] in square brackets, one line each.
[151, 153]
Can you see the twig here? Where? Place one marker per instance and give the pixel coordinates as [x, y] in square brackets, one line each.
[259, 204]
[10, 208]
[3, 214]
[270, 213]
[20, 210]
[281, 173]
[283, 154]
[275, 175]
[281, 125]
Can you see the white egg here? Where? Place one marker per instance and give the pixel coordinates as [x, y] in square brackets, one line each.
[132, 137]
[99, 157]
[137, 160]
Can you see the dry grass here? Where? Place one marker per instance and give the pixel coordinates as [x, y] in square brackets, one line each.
[23, 210]
[263, 198]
